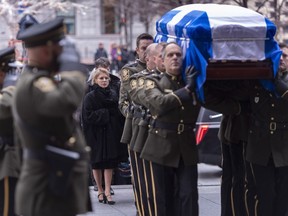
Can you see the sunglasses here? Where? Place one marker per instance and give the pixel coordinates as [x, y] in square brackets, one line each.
[104, 78]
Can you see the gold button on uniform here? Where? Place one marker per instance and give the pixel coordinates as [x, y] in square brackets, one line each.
[71, 141]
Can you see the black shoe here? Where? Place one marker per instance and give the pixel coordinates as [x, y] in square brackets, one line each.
[95, 188]
[103, 199]
[111, 191]
[109, 202]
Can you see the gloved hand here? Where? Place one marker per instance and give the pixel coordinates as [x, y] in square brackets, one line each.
[69, 59]
[281, 84]
[191, 74]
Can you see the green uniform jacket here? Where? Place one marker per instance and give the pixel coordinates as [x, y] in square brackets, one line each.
[45, 108]
[9, 157]
[124, 99]
[138, 95]
[138, 109]
[268, 133]
[165, 146]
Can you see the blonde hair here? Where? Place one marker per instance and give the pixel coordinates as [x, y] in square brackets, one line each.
[95, 73]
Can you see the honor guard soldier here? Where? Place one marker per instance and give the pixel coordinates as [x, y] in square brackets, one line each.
[139, 120]
[9, 156]
[171, 143]
[53, 179]
[267, 149]
[126, 107]
[232, 134]
[137, 93]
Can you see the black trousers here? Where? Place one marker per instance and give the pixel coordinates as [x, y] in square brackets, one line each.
[250, 188]
[135, 182]
[272, 189]
[7, 191]
[150, 191]
[233, 178]
[142, 185]
[177, 192]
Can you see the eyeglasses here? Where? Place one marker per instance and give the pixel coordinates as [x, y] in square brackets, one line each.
[103, 78]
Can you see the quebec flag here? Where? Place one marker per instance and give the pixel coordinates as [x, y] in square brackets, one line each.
[219, 32]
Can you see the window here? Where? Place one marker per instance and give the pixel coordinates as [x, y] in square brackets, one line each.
[109, 18]
[69, 20]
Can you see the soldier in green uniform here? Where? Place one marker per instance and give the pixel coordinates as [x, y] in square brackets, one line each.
[267, 149]
[127, 108]
[140, 122]
[9, 157]
[53, 179]
[171, 144]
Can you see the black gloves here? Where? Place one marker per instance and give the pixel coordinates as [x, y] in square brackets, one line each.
[281, 84]
[188, 92]
[190, 78]
[69, 59]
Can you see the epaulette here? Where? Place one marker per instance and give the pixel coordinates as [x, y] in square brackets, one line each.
[130, 64]
[131, 67]
[145, 72]
[156, 76]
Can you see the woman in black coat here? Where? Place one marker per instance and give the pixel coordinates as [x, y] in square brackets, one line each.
[102, 130]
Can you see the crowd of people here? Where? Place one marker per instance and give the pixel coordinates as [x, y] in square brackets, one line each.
[148, 116]
[119, 55]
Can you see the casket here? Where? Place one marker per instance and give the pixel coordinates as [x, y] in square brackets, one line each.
[222, 41]
[235, 69]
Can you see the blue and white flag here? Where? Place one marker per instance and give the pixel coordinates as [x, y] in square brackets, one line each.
[219, 32]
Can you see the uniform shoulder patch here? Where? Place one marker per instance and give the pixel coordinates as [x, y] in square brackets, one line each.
[149, 84]
[140, 82]
[125, 74]
[133, 83]
[44, 84]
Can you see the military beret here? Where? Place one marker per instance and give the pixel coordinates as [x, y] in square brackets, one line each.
[43, 33]
[7, 56]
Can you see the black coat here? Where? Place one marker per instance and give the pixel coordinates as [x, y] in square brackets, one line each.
[101, 125]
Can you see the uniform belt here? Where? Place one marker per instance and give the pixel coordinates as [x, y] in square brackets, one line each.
[42, 154]
[137, 114]
[179, 127]
[272, 125]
